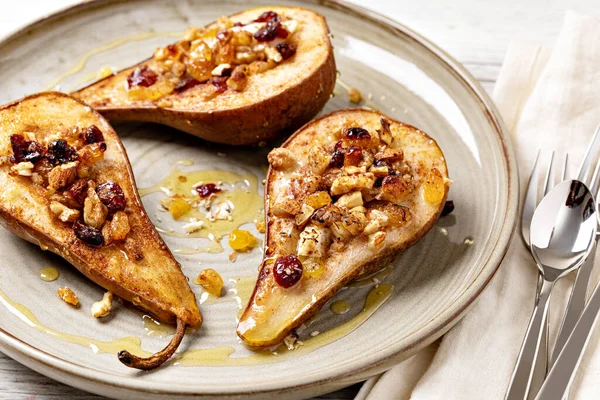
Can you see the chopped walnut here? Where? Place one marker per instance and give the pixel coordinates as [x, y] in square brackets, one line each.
[354, 222]
[64, 213]
[314, 241]
[377, 221]
[119, 226]
[318, 160]
[24, 168]
[376, 240]
[345, 184]
[396, 188]
[68, 296]
[304, 215]
[238, 79]
[389, 154]
[327, 215]
[339, 232]
[350, 200]
[385, 134]
[102, 308]
[281, 158]
[62, 175]
[94, 212]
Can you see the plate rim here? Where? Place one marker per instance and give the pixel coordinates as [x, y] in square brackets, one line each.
[39, 360]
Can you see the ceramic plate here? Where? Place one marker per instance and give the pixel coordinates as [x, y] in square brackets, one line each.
[430, 287]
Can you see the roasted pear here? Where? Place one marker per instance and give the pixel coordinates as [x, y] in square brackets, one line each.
[241, 80]
[68, 187]
[344, 195]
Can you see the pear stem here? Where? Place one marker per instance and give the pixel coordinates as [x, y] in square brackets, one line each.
[157, 359]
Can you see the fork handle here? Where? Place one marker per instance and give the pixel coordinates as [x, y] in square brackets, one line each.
[561, 375]
[520, 382]
[576, 304]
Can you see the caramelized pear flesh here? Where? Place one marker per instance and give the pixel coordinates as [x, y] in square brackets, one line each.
[345, 195]
[256, 98]
[78, 199]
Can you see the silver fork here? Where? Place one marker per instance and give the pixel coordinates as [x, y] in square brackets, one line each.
[531, 201]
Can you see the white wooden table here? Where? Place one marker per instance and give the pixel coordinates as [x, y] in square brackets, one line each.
[476, 32]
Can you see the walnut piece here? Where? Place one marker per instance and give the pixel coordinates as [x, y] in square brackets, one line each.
[68, 296]
[345, 184]
[62, 175]
[281, 158]
[376, 240]
[94, 212]
[64, 213]
[102, 308]
[24, 168]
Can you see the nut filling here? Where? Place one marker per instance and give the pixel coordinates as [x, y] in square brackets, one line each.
[94, 210]
[221, 57]
[358, 186]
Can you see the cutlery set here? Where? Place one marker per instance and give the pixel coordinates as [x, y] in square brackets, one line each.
[560, 229]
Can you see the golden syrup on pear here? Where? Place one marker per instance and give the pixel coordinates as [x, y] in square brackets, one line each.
[49, 274]
[221, 356]
[79, 66]
[131, 343]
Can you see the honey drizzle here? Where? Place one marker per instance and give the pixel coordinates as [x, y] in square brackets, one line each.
[49, 274]
[80, 65]
[131, 343]
[221, 356]
[246, 201]
[366, 103]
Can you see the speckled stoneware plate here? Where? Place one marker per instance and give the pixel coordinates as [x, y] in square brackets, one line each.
[431, 286]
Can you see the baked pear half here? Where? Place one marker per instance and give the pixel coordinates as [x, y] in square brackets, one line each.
[241, 80]
[344, 195]
[68, 187]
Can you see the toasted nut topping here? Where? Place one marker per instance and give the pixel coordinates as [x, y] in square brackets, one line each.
[345, 184]
[318, 160]
[380, 172]
[24, 168]
[304, 215]
[211, 281]
[94, 212]
[354, 222]
[376, 240]
[281, 158]
[350, 200]
[389, 154]
[102, 308]
[64, 213]
[314, 241]
[68, 296]
[395, 188]
[62, 175]
[385, 134]
[377, 221]
[339, 232]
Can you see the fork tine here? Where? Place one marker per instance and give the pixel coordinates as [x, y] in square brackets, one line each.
[530, 199]
[590, 156]
[549, 171]
[565, 167]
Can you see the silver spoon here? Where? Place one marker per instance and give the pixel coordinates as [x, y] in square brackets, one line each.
[563, 231]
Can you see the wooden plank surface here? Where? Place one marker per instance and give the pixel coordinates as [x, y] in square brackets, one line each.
[475, 32]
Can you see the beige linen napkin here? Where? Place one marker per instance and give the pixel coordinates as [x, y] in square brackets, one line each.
[549, 99]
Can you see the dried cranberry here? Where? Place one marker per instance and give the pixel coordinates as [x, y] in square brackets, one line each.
[267, 16]
[93, 134]
[207, 189]
[357, 133]
[111, 195]
[337, 157]
[448, 208]
[142, 76]
[88, 234]
[378, 182]
[238, 24]
[286, 50]
[186, 84]
[272, 30]
[219, 82]
[59, 152]
[287, 271]
[26, 150]
[77, 192]
[353, 155]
